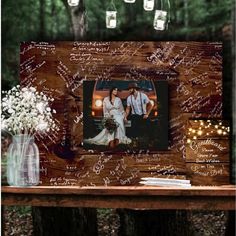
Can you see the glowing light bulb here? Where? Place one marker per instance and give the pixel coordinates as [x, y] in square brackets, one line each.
[207, 134]
[199, 132]
[216, 126]
[194, 137]
[219, 131]
[193, 131]
[188, 140]
[190, 129]
[224, 133]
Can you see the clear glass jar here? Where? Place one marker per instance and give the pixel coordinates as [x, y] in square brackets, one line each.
[23, 162]
[129, 1]
[148, 5]
[160, 20]
[73, 3]
[111, 19]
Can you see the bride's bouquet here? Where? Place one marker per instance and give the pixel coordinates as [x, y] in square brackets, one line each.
[110, 124]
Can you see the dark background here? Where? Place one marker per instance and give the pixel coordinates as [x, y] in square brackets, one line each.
[47, 20]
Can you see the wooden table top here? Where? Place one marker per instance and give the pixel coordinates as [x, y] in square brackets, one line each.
[133, 197]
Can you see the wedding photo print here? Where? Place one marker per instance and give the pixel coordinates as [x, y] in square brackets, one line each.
[122, 115]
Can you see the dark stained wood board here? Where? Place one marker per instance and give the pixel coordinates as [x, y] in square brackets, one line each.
[194, 74]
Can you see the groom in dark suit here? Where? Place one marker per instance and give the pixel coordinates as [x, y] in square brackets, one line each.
[140, 107]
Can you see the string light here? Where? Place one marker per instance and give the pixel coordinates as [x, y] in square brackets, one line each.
[200, 132]
[219, 131]
[204, 126]
[218, 128]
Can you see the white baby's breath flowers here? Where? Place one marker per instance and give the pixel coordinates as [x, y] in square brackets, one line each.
[26, 111]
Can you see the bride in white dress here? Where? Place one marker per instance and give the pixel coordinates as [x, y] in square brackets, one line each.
[112, 107]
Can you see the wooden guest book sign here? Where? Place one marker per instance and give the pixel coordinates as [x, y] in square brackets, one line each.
[193, 72]
[207, 152]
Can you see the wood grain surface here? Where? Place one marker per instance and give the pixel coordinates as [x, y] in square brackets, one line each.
[193, 71]
[200, 198]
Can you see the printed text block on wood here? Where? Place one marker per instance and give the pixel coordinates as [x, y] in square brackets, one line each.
[208, 151]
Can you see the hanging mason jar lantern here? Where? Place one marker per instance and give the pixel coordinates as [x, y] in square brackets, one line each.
[111, 20]
[129, 1]
[73, 3]
[148, 5]
[162, 15]
[160, 20]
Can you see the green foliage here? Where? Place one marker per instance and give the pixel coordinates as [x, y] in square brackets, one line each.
[26, 20]
[21, 22]
[21, 210]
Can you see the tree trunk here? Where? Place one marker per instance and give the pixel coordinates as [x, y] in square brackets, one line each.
[130, 15]
[186, 18]
[78, 19]
[153, 223]
[42, 20]
[233, 166]
[230, 227]
[2, 221]
[48, 221]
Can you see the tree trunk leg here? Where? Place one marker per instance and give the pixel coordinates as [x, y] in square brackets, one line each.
[153, 223]
[2, 221]
[56, 221]
[230, 227]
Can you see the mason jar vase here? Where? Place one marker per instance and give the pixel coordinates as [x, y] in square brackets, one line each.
[23, 162]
